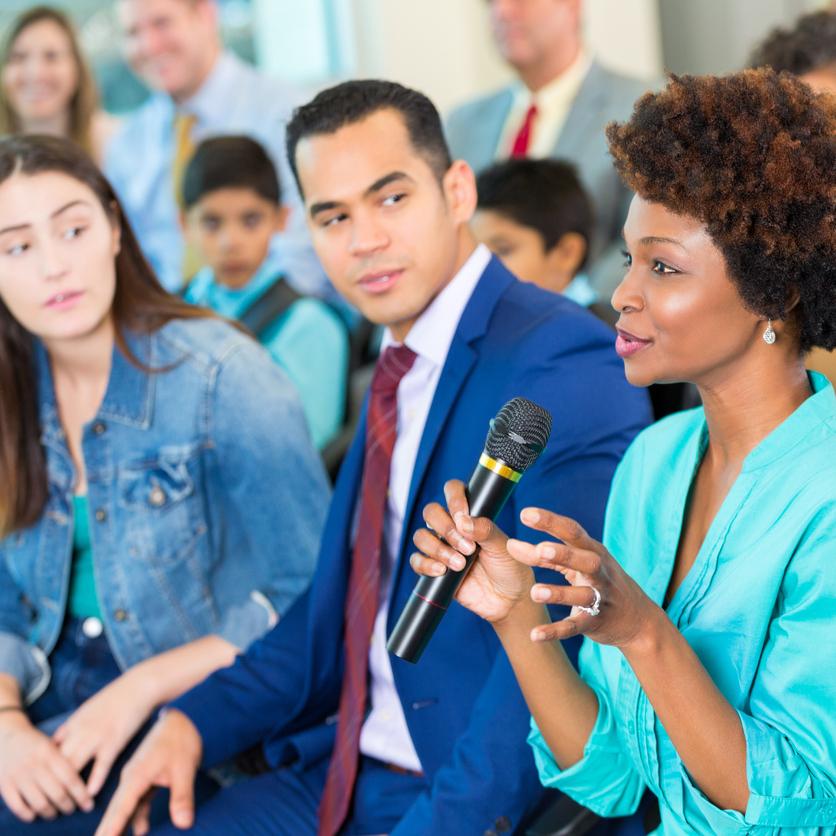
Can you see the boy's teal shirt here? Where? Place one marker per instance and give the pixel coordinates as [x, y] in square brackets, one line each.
[759, 609]
[308, 341]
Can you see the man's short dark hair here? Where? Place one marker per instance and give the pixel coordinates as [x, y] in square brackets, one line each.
[543, 195]
[230, 162]
[810, 45]
[353, 101]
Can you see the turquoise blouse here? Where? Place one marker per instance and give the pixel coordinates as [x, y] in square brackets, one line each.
[759, 609]
[308, 342]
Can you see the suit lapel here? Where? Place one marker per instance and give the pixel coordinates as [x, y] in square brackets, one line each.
[461, 358]
[582, 118]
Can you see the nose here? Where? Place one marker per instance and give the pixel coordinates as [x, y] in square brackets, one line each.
[52, 264]
[628, 295]
[367, 235]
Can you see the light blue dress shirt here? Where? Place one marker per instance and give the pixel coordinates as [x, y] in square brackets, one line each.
[759, 609]
[234, 99]
[309, 341]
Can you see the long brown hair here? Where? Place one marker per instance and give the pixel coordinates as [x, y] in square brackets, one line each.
[140, 305]
[84, 102]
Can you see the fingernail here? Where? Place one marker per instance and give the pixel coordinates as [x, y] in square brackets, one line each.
[458, 562]
[529, 515]
[537, 636]
[549, 552]
[464, 545]
[540, 593]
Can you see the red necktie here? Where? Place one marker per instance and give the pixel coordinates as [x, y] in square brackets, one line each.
[363, 597]
[523, 138]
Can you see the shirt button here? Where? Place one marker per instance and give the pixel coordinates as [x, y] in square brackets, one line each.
[101, 515]
[120, 615]
[99, 428]
[92, 627]
[157, 496]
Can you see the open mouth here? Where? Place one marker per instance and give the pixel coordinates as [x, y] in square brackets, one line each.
[380, 282]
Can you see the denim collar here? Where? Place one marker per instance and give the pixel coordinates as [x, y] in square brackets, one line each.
[129, 397]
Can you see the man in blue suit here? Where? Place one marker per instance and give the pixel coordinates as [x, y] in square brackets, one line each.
[437, 747]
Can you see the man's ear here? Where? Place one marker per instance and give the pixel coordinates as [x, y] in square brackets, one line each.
[459, 186]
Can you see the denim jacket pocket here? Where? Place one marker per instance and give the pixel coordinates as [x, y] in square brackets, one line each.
[165, 518]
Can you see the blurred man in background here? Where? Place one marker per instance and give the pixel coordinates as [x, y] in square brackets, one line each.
[557, 107]
[200, 90]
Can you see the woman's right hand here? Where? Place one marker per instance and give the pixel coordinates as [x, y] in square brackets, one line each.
[35, 778]
[497, 582]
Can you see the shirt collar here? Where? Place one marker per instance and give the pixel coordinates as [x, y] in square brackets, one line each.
[800, 427]
[214, 95]
[433, 331]
[562, 88]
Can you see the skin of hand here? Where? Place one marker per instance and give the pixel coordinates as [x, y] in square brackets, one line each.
[503, 576]
[36, 779]
[168, 757]
[103, 725]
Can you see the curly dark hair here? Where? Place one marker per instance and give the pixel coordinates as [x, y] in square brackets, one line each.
[752, 156]
[809, 45]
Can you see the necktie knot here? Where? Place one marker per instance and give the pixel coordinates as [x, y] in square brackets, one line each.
[392, 365]
[522, 141]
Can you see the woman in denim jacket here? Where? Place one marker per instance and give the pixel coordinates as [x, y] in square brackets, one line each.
[160, 501]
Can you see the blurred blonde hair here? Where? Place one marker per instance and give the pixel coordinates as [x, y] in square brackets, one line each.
[84, 102]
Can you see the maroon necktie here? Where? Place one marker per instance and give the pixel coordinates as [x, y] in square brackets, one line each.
[522, 140]
[363, 596]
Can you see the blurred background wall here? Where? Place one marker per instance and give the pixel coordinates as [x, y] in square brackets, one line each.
[440, 46]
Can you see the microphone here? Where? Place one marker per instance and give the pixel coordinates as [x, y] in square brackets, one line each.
[517, 436]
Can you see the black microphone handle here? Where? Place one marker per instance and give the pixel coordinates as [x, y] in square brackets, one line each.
[487, 492]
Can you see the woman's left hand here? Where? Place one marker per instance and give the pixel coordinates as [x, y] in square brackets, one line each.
[625, 612]
[101, 728]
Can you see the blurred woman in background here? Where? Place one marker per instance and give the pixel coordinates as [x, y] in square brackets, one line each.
[47, 86]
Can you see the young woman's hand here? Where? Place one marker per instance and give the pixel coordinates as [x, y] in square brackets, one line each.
[101, 728]
[36, 780]
[496, 582]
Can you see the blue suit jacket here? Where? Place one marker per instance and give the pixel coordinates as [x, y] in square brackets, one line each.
[465, 712]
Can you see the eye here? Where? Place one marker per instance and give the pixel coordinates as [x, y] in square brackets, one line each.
[72, 232]
[17, 249]
[628, 259]
[392, 199]
[252, 220]
[333, 220]
[210, 224]
[662, 269]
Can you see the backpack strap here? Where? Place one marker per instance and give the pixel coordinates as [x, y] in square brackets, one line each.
[268, 307]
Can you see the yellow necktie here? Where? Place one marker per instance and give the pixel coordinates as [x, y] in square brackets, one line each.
[183, 150]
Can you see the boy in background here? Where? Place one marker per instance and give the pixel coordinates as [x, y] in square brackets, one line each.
[536, 216]
[232, 207]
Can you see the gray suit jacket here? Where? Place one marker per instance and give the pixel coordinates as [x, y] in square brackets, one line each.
[474, 129]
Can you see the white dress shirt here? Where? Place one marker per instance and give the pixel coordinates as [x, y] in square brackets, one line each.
[553, 101]
[385, 735]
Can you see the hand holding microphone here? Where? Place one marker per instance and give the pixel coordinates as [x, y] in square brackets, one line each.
[517, 436]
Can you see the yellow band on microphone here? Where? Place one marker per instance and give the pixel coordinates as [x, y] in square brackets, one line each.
[499, 467]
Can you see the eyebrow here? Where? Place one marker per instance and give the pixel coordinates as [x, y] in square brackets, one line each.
[55, 214]
[375, 187]
[658, 239]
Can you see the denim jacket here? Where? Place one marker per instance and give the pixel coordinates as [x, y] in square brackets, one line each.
[206, 502]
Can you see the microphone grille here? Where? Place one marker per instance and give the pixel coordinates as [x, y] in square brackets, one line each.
[519, 433]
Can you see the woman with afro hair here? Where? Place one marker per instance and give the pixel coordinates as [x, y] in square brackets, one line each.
[708, 673]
